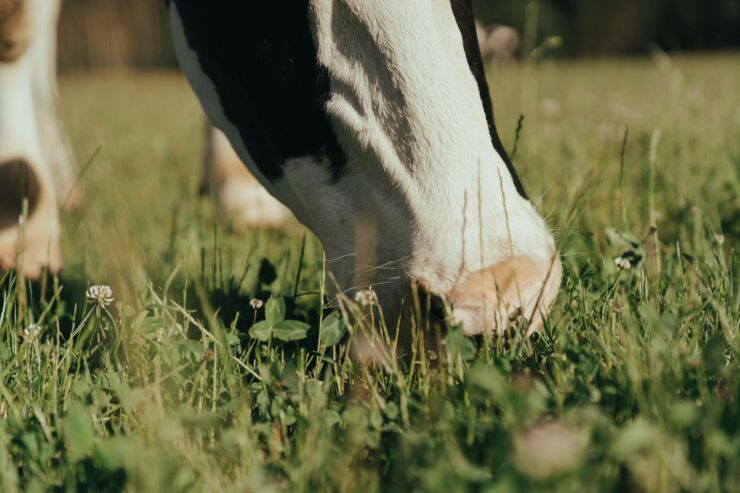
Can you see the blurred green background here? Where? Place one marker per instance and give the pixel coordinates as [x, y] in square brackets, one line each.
[134, 33]
[617, 27]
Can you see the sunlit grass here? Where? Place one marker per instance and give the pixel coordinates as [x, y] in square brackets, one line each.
[633, 384]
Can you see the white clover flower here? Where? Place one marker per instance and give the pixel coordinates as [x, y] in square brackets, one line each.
[256, 303]
[101, 295]
[31, 332]
[623, 263]
[365, 297]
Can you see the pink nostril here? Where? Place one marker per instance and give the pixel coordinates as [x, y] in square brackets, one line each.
[30, 246]
[18, 182]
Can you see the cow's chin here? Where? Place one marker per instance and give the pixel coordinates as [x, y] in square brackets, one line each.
[515, 291]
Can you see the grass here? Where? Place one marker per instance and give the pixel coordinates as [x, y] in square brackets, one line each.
[632, 386]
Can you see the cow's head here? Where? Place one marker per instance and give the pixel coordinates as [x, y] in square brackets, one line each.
[35, 169]
[372, 121]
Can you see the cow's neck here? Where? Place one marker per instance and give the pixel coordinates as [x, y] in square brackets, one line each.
[409, 115]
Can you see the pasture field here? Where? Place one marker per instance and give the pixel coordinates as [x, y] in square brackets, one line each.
[633, 385]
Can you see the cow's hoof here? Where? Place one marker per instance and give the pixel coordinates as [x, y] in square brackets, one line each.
[29, 263]
[245, 204]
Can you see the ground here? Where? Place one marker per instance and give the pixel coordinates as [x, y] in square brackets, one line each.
[633, 385]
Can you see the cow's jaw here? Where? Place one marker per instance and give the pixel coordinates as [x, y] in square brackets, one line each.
[423, 196]
[34, 162]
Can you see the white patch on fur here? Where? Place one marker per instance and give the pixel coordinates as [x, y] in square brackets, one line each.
[29, 119]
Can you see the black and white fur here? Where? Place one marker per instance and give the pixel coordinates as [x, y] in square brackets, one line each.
[372, 121]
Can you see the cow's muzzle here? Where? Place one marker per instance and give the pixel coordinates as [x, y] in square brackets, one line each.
[14, 30]
[508, 293]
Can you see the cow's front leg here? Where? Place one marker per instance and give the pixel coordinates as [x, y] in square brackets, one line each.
[240, 199]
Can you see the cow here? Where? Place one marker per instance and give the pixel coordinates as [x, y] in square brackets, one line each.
[372, 122]
[36, 172]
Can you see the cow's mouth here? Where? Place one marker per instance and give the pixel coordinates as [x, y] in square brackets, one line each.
[493, 299]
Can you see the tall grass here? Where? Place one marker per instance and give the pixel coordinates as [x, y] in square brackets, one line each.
[631, 386]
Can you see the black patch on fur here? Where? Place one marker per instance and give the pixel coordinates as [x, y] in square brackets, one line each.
[261, 57]
[463, 10]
